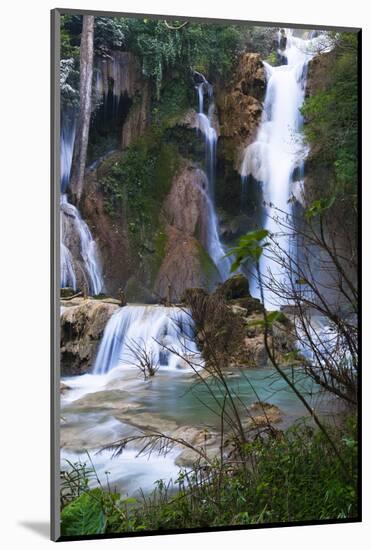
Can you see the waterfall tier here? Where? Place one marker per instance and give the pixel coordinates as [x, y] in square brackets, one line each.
[165, 334]
[205, 125]
[80, 262]
[78, 248]
[279, 151]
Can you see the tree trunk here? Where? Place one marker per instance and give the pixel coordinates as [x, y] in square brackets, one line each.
[83, 122]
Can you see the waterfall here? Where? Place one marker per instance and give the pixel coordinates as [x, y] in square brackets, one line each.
[67, 141]
[77, 244]
[205, 125]
[279, 150]
[72, 227]
[154, 329]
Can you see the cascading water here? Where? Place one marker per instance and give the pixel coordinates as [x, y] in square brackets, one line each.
[205, 125]
[72, 222]
[67, 141]
[279, 150]
[77, 244]
[154, 329]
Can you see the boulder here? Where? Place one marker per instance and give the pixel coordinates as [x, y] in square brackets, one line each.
[262, 414]
[67, 292]
[63, 388]
[236, 286]
[82, 326]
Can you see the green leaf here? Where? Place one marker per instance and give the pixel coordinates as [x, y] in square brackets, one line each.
[130, 500]
[84, 516]
[318, 207]
[274, 316]
[249, 247]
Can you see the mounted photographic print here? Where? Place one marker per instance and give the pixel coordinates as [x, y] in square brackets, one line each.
[205, 335]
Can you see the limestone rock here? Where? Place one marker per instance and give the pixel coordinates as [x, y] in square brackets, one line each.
[241, 105]
[186, 263]
[263, 414]
[82, 327]
[236, 286]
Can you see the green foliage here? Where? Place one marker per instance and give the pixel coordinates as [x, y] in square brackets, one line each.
[332, 117]
[141, 177]
[173, 103]
[85, 515]
[210, 49]
[75, 481]
[272, 58]
[70, 36]
[271, 318]
[134, 190]
[69, 65]
[292, 476]
[249, 248]
[110, 33]
[319, 207]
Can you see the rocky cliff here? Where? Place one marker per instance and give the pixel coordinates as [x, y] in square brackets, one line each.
[317, 171]
[169, 253]
[186, 262]
[240, 105]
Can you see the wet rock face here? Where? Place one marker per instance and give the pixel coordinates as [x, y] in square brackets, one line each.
[185, 206]
[240, 106]
[186, 263]
[120, 75]
[110, 234]
[82, 326]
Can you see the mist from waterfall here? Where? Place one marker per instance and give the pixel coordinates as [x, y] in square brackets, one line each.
[78, 247]
[215, 248]
[156, 330]
[279, 151]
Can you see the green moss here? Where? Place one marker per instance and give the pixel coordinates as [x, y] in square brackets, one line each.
[272, 59]
[134, 188]
[208, 267]
[135, 291]
[174, 102]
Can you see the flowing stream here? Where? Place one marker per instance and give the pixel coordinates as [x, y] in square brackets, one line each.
[278, 153]
[205, 125]
[115, 401]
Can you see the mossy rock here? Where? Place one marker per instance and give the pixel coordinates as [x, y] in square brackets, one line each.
[250, 304]
[135, 291]
[208, 268]
[67, 292]
[235, 287]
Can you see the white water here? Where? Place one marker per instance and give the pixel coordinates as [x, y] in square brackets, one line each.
[214, 246]
[156, 329]
[71, 221]
[130, 472]
[67, 142]
[74, 228]
[279, 149]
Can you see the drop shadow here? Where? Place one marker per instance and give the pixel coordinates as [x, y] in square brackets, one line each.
[41, 528]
